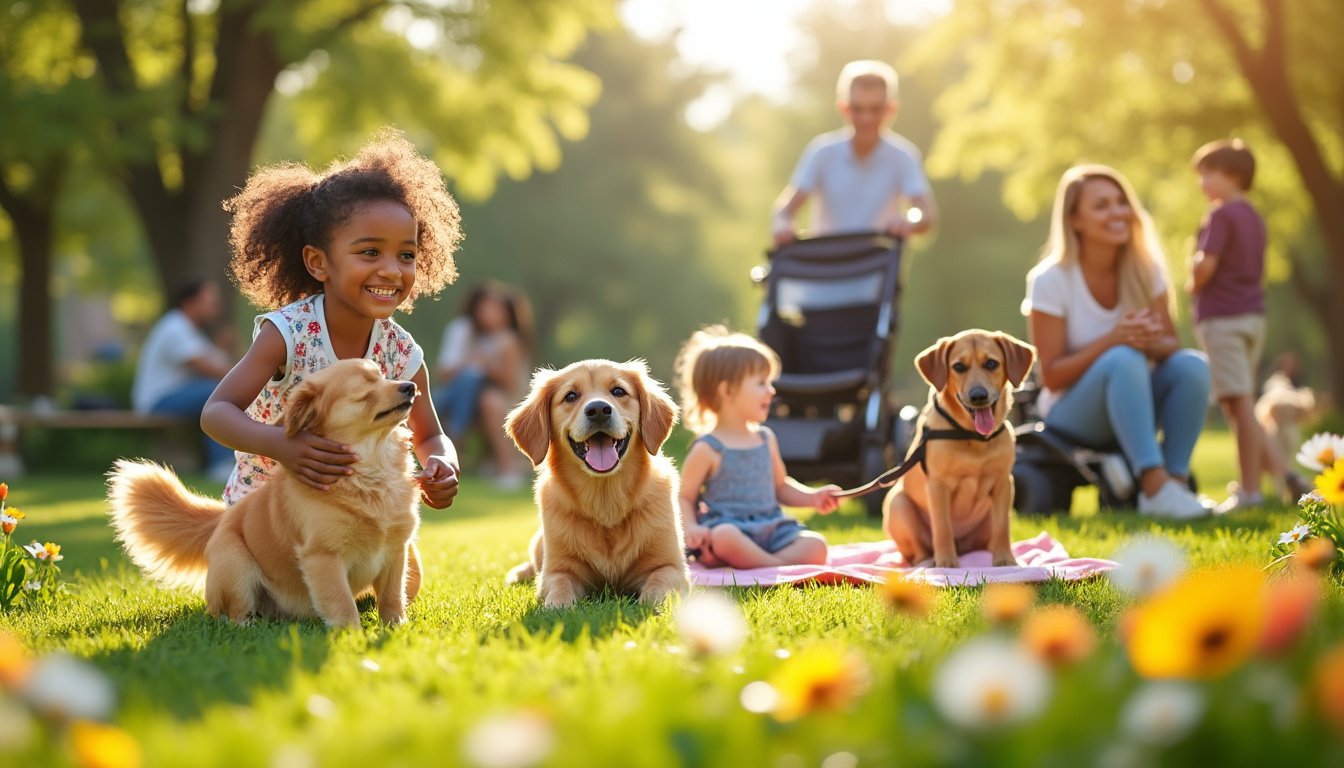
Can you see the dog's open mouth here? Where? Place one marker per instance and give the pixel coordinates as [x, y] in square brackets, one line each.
[401, 409]
[601, 452]
[981, 418]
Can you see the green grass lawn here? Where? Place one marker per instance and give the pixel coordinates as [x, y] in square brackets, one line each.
[611, 679]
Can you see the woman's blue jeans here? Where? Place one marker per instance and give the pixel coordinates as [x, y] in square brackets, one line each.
[1120, 401]
[456, 401]
[189, 400]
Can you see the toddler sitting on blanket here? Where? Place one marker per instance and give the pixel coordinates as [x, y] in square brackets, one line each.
[733, 480]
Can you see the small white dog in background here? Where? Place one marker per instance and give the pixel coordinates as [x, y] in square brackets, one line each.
[1281, 410]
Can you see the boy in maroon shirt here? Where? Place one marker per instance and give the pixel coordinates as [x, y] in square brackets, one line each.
[1226, 283]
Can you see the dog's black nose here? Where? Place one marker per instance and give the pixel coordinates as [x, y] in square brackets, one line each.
[979, 396]
[597, 410]
[407, 388]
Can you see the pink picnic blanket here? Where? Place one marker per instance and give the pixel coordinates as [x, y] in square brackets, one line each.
[1040, 558]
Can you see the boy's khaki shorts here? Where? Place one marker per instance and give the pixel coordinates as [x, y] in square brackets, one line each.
[1233, 345]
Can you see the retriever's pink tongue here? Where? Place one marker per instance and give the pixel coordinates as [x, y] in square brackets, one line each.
[984, 420]
[601, 454]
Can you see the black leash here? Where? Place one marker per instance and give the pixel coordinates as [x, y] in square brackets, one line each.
[916, 457]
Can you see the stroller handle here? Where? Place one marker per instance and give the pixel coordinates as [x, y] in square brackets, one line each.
[891, 240]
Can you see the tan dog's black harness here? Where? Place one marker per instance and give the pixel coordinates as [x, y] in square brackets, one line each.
[889, 478]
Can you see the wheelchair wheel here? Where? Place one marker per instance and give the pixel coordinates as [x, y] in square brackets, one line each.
[1041, 490]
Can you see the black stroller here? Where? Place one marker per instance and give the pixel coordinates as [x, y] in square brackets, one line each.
[830, 313]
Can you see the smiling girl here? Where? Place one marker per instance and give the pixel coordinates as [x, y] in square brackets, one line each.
[331, 257]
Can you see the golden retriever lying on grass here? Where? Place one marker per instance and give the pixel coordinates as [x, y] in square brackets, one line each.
[287, 550]
[606, 494]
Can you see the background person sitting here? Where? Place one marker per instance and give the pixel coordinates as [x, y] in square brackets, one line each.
[180, 366]
[1110, 363]
[483, 366]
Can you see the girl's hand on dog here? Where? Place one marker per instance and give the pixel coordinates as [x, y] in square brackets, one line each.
[316, 461]
[438, 482]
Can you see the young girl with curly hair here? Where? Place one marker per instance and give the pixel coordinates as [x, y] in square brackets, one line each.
[330, 257]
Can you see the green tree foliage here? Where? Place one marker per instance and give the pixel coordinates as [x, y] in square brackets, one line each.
[170, 98]
[1140, 85]
[611, 247]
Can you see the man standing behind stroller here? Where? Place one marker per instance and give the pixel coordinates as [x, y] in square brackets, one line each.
[864, 176]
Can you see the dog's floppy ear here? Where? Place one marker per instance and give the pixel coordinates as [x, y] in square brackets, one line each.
[1018, 357]
[657, 412]
[932, 363]
[301, 410]
[529, 424]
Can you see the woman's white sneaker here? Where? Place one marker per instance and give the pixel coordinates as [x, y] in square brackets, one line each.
[1173, 500]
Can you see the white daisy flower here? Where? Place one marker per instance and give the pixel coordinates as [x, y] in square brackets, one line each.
[36, 550]
[516, 740]
[759, 697]
[1162, 713]
[1311, 497]
[1321, 451]
[1296, 534]
[1147, 563]
[64, 687]
[990, 682]
[32, 586]
[711, 623]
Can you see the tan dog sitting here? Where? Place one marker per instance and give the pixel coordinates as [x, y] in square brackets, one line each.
[605, 492]
[959, 499]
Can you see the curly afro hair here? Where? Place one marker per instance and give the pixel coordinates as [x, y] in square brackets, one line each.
[287, 206]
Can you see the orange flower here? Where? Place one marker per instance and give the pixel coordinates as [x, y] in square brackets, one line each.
[905, 596]
[15, 664]
[1006, 603]
[825, 678]
[1290, 605]
[1328, 678]
[1201, 627]
[4, 491]
[1059, 635]
[103, 746]
[1314, 554]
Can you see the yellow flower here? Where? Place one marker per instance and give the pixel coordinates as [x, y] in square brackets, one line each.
[103, 746]
[1059, 635]
[819, 678]
[53, 552]
[1006, 603]
[905, 596]
[1328, 680]
[1330, 483]
[1201, 627]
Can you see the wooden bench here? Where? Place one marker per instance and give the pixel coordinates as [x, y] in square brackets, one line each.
[13, 420]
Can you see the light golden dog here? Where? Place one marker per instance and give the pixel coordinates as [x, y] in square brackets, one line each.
[606, 493]
[1281, 410]
[960, 499]
[287, 550]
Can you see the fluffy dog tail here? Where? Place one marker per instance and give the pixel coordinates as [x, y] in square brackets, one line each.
[162, 526]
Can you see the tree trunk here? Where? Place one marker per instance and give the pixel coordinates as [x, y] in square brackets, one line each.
[34, 227]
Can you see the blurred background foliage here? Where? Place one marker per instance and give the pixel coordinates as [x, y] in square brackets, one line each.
[564, 135]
